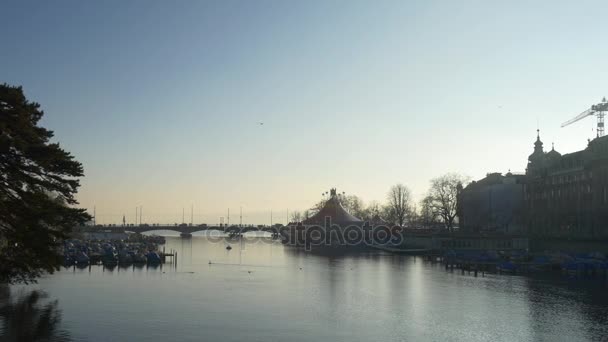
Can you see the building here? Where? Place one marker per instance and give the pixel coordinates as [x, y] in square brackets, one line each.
[493, 204]
[334, 210]
[560, 196]
[313, 231]
[567, 195]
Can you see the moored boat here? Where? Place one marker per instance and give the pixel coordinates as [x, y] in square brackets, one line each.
[153, 258]
[81, 258]
[506, 267]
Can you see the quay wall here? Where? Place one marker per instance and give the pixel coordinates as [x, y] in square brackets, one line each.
[568, 245]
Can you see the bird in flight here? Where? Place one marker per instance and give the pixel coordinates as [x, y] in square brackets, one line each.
[260, 123]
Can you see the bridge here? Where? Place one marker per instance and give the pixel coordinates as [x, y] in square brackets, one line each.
[182, 228]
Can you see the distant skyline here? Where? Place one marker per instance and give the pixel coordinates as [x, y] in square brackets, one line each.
[162, 101]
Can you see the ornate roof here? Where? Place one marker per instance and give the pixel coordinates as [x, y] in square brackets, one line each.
[538, 153]
[553, 154]
[334, 209]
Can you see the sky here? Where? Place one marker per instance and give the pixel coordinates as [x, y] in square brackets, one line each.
[161, 100]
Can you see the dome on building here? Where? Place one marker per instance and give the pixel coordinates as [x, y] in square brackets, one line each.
[538, 153]
[334, 209]
[553, 154]
[538, 158]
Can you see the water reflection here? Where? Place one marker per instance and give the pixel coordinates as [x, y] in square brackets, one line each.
[29, 316]
[261, 290]
[575, 310]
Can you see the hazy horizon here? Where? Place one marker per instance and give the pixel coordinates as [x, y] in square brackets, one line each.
[161, 102]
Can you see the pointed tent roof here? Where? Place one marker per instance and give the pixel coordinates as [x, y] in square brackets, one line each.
[334, 209]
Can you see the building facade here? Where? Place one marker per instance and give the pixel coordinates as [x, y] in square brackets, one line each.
[493, 204]
[560, 196]
[567, 195]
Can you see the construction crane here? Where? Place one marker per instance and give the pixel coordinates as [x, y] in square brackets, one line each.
[598, 110]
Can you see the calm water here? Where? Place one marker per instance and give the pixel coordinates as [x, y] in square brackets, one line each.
[268, 292]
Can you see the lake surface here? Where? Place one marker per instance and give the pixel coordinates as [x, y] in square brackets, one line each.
[263, 291]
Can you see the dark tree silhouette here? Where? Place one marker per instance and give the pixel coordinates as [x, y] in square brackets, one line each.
[354, 205]
[38, 181]
[443, 197]
[429, 215]
[399, 204]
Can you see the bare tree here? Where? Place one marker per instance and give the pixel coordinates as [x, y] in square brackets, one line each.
[428, 215]
[374, 208]
[399, 202]
[372, 211]
[296, 216]
[443, 196]
[354, 205]
[413, 216]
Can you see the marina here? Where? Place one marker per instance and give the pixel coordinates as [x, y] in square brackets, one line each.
[136, 249]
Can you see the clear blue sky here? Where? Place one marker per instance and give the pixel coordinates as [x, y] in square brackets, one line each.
[160, 100]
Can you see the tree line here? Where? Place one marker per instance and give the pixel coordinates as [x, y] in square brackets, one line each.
[438, 208]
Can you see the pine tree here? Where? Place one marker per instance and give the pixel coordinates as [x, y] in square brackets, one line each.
[38, 181]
